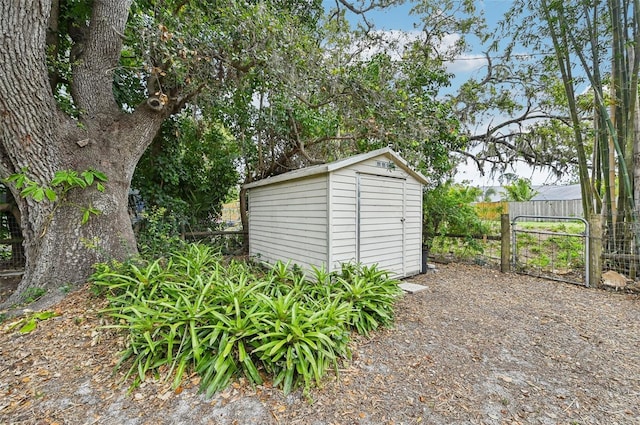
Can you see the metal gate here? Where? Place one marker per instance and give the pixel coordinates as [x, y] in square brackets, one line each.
[554, 248]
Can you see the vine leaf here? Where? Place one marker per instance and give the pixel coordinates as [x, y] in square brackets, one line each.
[88, 177]
[65, 180]
[50, 194]
[86, 213]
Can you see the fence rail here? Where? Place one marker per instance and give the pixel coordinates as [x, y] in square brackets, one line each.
[194, 236]
[551, 250]
[229, 241]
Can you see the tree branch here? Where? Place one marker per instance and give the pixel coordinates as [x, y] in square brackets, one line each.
[300, 142]
[92, 85]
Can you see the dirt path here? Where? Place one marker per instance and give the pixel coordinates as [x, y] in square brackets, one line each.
[477, 347]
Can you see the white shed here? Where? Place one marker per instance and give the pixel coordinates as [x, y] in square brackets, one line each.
[365, 209]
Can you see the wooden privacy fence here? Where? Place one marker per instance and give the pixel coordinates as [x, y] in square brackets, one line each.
[565, 208]
[568, 208]
[491, 210]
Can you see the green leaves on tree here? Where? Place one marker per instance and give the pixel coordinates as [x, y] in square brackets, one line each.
[447, 209]
[62, 182]
[189, 169]
[520, 190]
[69, 179]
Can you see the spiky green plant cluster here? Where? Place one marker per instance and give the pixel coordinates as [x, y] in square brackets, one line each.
[195, 311]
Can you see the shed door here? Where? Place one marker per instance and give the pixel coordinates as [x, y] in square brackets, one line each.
[380, 227]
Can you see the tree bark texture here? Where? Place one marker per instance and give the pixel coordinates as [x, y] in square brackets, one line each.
[37, 138]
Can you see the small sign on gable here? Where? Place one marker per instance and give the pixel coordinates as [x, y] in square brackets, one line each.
[388, 165]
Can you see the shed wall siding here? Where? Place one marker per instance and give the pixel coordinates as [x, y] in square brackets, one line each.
[343, 217]
[288, 221]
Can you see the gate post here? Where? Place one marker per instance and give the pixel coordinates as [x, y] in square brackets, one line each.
[594, 239]
[505, 243]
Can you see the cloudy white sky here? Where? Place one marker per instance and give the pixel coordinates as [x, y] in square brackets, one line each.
[399, 19]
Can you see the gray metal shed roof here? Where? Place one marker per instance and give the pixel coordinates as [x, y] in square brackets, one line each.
[557, 193]
[336, 165]
[545, 193]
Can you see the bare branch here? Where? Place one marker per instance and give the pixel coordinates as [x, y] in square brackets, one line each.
[300, 142]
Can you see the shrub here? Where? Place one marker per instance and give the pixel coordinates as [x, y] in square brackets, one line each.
[448, 210]
[298, 343]
[371, 294]
[159, 233]
[196, 312]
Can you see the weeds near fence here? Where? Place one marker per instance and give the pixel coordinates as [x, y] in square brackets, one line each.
[482, 249]
[551, 249]
[548, 247]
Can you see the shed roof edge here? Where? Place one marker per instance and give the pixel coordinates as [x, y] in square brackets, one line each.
[337, 165]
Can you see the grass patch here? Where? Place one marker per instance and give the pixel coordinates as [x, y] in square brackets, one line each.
[551, 246]
[574, 227]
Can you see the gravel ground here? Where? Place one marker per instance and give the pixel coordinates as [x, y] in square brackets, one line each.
[476, 347]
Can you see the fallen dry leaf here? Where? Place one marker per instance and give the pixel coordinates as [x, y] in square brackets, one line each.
[458, 370]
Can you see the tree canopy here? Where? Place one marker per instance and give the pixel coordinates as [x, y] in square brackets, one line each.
[279, 83]
[594, 45]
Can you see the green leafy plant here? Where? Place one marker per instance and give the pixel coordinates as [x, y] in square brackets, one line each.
[297, 346]
[371, 294]
[184, 312]
[189, 169]
[70, 179]
[447, 210]
[29, 323]
[541, 261]
[62, 182]
[195, 311]
[520, 190]
[33, 294]
[159, 233]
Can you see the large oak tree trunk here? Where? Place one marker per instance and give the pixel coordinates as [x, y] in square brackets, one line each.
[38, 139]
[59, 249]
